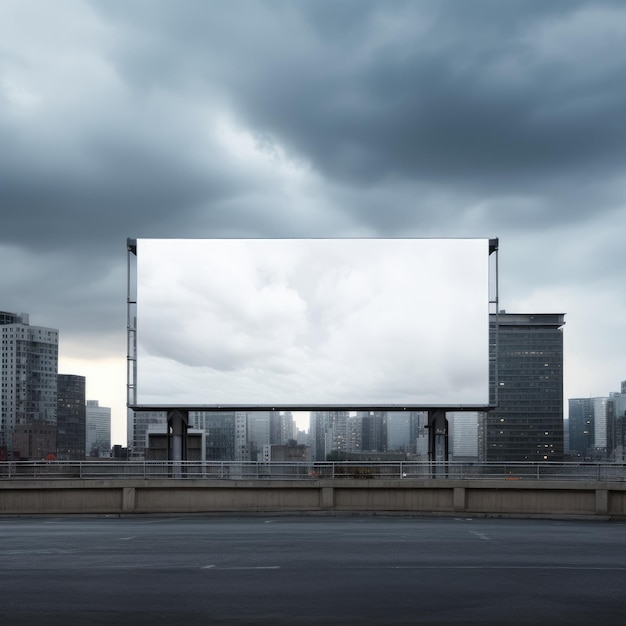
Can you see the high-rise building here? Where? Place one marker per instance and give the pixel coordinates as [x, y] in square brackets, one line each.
[373, 430]
[219, 429]
[596, 427]
[71, 417]
[98, 432]
[353, 432]
[258, 433]
[619, 401]
[527, 424]
[399, 431]
[282, 427]
[242, 451]
[463, 433]
[328, 433]
[28, 388]
[580, 426]
[603, 428]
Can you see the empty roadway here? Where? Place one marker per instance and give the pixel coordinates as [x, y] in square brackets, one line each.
[311, 570]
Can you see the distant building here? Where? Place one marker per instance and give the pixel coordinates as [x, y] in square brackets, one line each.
[405, 431]
[28, 388]
[603, 428]
[596, 427]
[420, 420]
[119, 452]
[399, 431]
[290, 452]
[373, 431]
[580, 426]
[143, 422]
[219, 429]
[98, 432]
[282, 427]
[302, 437]
[619, 401]
[242, 450]
[527, 424]
[463, 433]
[71, 418]
[328, 433]
[258, 431]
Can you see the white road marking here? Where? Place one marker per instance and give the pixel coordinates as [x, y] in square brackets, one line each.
[480, 535]
[250, 567]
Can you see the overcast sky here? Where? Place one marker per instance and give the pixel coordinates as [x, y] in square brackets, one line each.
[487, 118]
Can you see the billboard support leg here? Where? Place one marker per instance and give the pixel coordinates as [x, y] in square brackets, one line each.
[177, 421]
[437, 440]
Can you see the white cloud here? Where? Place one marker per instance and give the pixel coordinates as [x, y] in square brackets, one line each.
[302, 322]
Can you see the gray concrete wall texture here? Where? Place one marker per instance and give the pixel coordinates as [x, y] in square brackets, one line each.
[435, 496]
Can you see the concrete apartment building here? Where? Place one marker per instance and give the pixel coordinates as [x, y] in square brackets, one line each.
[28, 388]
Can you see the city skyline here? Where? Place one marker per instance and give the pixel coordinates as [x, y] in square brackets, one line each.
[312, 119]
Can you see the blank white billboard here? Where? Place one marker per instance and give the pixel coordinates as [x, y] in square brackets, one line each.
[306, 323]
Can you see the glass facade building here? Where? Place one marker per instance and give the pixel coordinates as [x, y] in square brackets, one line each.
[219, 429]
[98, 430]
[71, 417]
[580, 425]
[527, 354]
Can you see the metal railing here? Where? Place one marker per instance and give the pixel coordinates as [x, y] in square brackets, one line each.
[348, 470]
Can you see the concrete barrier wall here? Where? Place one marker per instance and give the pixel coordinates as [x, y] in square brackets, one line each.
[447, 497]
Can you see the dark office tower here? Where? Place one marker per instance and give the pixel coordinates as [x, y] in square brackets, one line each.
[527, 424]
[373, 431]
[580, 426]
[28, 388]
[71, 417]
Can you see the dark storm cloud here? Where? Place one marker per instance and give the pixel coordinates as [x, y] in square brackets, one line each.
[483, 98]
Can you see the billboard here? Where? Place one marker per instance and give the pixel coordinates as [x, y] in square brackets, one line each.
[312, 323]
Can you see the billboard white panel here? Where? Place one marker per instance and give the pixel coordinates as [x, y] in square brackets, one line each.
[305, 323]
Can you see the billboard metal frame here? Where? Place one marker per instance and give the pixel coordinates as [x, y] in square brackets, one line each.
[131, 386]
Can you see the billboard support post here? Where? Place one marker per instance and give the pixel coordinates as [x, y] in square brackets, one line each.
[177, 421]
[437, 437]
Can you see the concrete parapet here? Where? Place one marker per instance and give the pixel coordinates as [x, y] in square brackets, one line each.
[423, 496]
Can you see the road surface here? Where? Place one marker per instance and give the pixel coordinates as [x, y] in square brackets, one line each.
[311, 570]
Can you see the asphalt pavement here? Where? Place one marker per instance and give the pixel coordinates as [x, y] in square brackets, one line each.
[311, 570]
